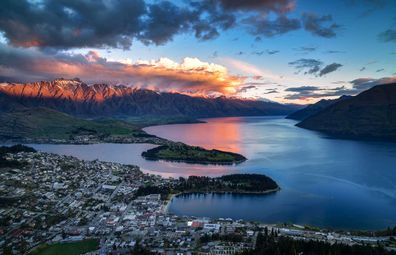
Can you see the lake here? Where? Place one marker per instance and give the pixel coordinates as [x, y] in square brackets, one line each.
[325, 182]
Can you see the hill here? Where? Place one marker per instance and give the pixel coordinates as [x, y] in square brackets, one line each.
[42, 125]
[45, 124]
[77, 98]
[369, 115]
[313, 109]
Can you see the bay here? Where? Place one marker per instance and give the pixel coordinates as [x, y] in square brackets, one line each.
[325, 182]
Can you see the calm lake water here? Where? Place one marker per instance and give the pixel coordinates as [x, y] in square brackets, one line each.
[325, 182]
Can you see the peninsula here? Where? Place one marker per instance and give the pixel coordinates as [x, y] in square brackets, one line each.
[192, 154]
[46, 126]
[60, 203]
[233, 183]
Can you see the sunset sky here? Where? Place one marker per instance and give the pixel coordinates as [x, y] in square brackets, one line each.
[289, 51]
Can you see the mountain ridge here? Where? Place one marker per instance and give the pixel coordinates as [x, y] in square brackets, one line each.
[315, 108]
[368, 115]
[77, 98]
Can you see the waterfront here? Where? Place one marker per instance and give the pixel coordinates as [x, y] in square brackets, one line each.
[325, 182]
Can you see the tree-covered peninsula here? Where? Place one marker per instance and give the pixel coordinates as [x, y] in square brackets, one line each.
[234, 183]
[192, 154]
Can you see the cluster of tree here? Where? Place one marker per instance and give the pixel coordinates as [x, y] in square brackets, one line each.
[84, 131]
[271, 244]
[242, 183]
[164, 191]
[235, 238]
[192, 154]
[227, 183]
[15, 149]
[12, 149]
[138, 249]
[386, 232]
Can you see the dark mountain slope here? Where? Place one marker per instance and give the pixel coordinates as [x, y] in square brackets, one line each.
[314, 108]
[369, 115]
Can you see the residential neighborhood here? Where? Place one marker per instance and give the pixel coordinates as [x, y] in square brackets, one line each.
[53, 199]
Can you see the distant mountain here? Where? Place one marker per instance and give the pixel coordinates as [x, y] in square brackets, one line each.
[314, 108]
[77, 98]
[369, 115]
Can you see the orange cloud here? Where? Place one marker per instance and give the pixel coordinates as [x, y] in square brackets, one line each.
[190, 76]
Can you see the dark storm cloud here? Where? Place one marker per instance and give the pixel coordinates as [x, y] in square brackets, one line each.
[317, 92]
[256, 85]
[388, 35]
[329, 68]
[101, 23]
[67, 24]
[159, 28]
[215, 19]
[373, 3]
[258, 53]
[262, 26]
[259, 84]
[313, 66]
[372, 62]
[272, 52]
[246, 88]
[334, 51]
[361, 84]
[302, 92]
[278, 6]
[272, 91]
[204, 31]
[322, 26]
[303, 89]
[307, 49]
[71, 23]
[370, 5]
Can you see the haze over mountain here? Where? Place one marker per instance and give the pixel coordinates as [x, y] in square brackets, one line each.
[371, 114]
[77, 98]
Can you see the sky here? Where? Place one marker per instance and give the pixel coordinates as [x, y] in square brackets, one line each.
[288, 51]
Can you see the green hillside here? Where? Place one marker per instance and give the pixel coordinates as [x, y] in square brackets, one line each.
[46, 123]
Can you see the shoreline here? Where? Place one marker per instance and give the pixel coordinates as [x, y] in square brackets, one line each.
[166, 205]
[196, 162]
[192, 162]
[168, 201]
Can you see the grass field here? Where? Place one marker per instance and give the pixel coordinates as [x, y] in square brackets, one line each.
[74, 248]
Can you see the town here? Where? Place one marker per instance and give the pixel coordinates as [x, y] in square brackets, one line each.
[49, 199]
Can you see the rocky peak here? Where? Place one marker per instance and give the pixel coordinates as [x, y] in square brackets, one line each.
[73, 89]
